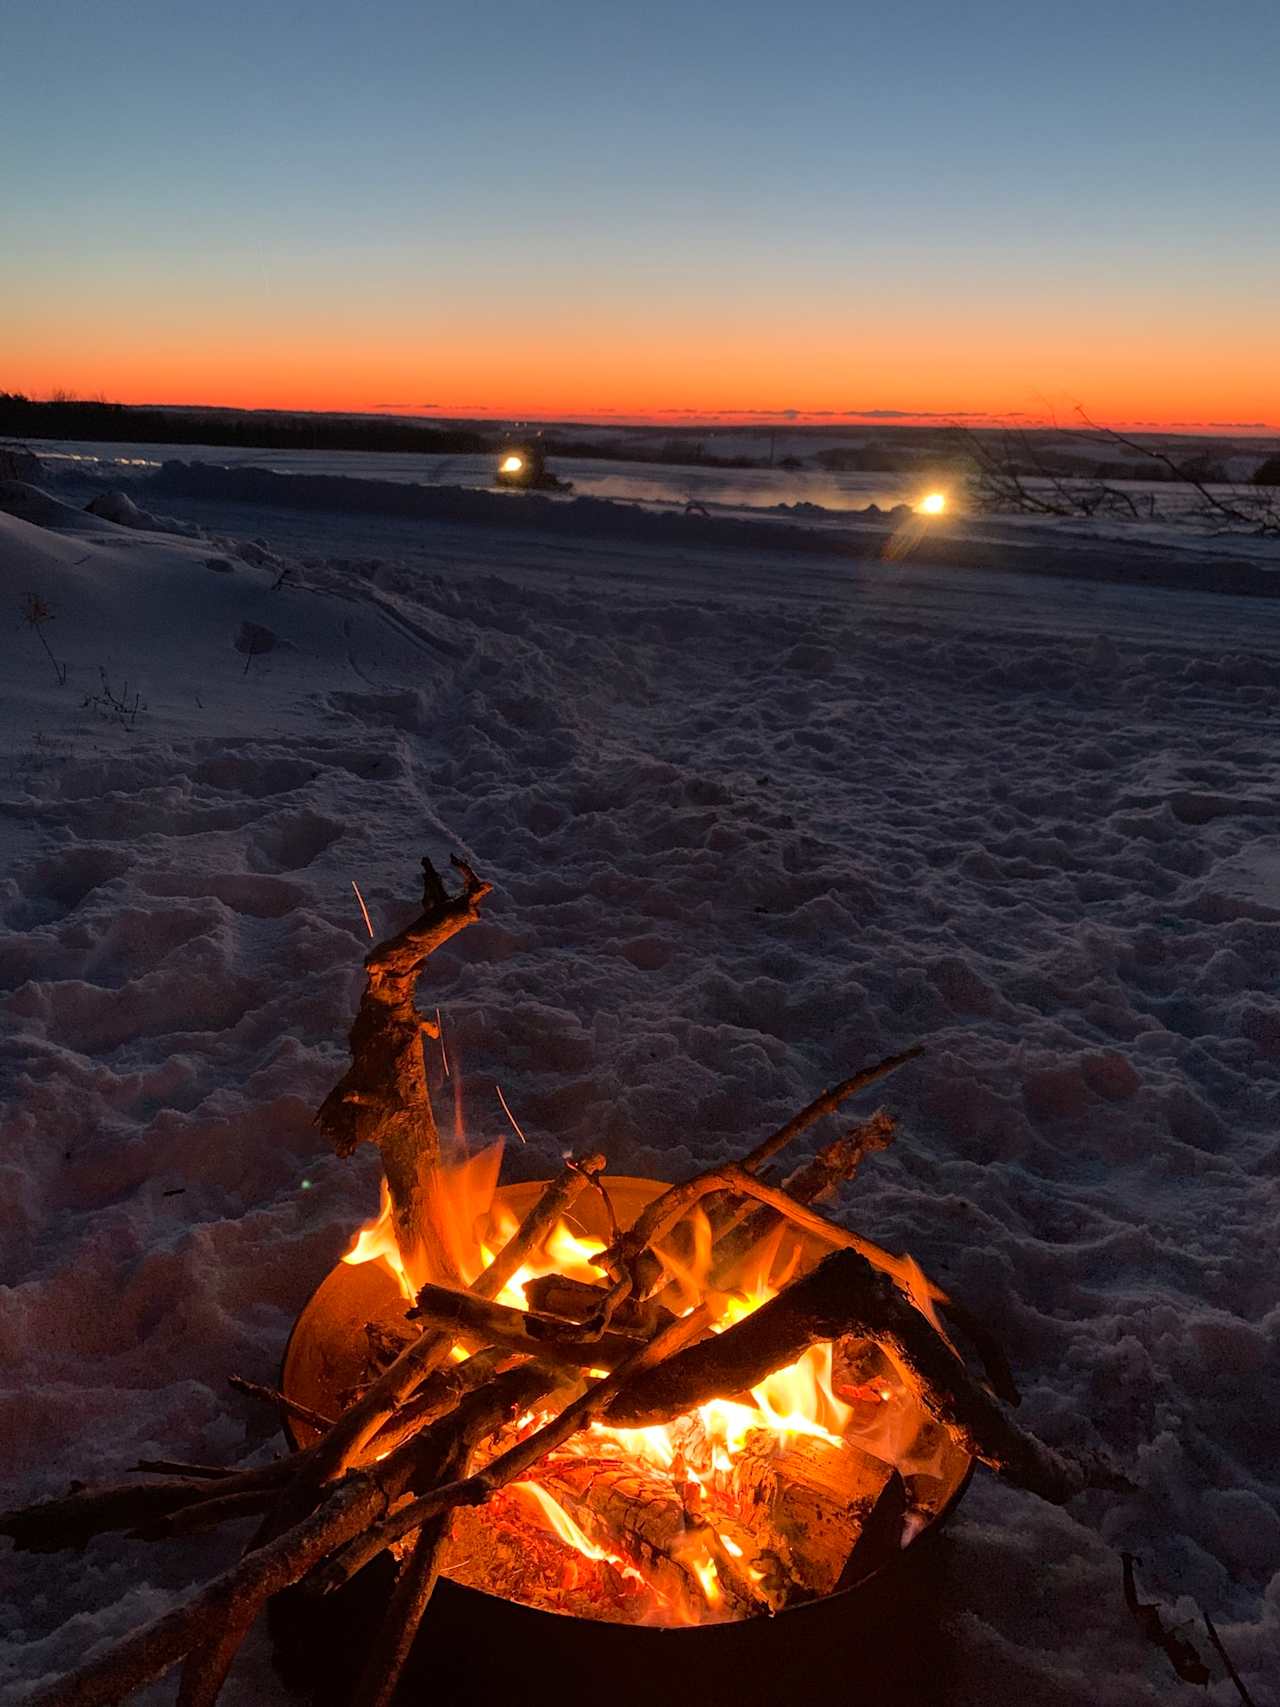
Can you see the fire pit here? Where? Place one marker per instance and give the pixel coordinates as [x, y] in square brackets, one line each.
[782, 1491]
[623, 1426]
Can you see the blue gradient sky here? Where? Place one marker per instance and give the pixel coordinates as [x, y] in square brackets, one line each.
[989, 207]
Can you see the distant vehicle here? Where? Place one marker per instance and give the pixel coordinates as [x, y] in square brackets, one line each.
[524, 468]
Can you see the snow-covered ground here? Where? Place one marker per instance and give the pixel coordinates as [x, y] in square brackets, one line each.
[752, 821]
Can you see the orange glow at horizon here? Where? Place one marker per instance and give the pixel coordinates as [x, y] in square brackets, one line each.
[990, 368]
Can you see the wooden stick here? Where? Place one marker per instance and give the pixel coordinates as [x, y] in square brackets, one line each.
[352, 1507]
[462, 1313]
[176, 1467]
[624, 1256]
[383, 1098]
[205, 1514]
[409, 1601]
[438, 1394]
[579, 1301]
[847, 1294]
[739, 1230]
[825, 1104]
[281, 1402]
[71, 1522]
[555, 1201]
[518, 1460]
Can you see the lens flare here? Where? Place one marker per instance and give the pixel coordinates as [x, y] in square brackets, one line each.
[933, 505]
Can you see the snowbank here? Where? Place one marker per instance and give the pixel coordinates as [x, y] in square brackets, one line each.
[866, 535]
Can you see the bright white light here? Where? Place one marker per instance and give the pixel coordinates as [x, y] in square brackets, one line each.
[512, 464]
[933, 505]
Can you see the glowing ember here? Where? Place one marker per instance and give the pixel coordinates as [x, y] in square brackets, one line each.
[559, 1521]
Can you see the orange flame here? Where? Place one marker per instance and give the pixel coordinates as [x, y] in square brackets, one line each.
[376, 1242]
[697, 1455]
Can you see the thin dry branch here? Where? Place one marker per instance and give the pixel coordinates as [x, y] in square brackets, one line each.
[353, 1506]
[281, 1402]
[558, 1198]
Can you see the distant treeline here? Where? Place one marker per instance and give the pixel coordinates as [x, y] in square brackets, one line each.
[682, 453]
[24, 418]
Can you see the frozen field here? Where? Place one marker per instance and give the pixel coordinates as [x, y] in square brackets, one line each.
[752, 821]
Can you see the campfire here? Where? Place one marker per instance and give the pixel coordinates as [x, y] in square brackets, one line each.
[597, 1396]
[747, 1502]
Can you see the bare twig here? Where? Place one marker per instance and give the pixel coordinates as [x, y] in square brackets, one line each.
[281, 1402]
[1226, 1659]
[1146, 1615]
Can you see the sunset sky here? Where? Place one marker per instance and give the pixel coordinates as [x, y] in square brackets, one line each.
[593, 210]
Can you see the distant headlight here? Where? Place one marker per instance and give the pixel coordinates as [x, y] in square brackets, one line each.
[512, 464]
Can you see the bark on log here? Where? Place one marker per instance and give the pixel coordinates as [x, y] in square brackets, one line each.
[847, 1294]
[638, 1513]
[579, 1301]
[383, 1097]
[463, 1314]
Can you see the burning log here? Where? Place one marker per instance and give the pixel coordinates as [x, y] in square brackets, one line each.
[383, 1097]
[579, 1301]
[845, 1294]
[423, 1355]
[501, 1544]
[554, 1203]
[518, 1460]
[625, 1504]
[810, 1501]
[463, 1313]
